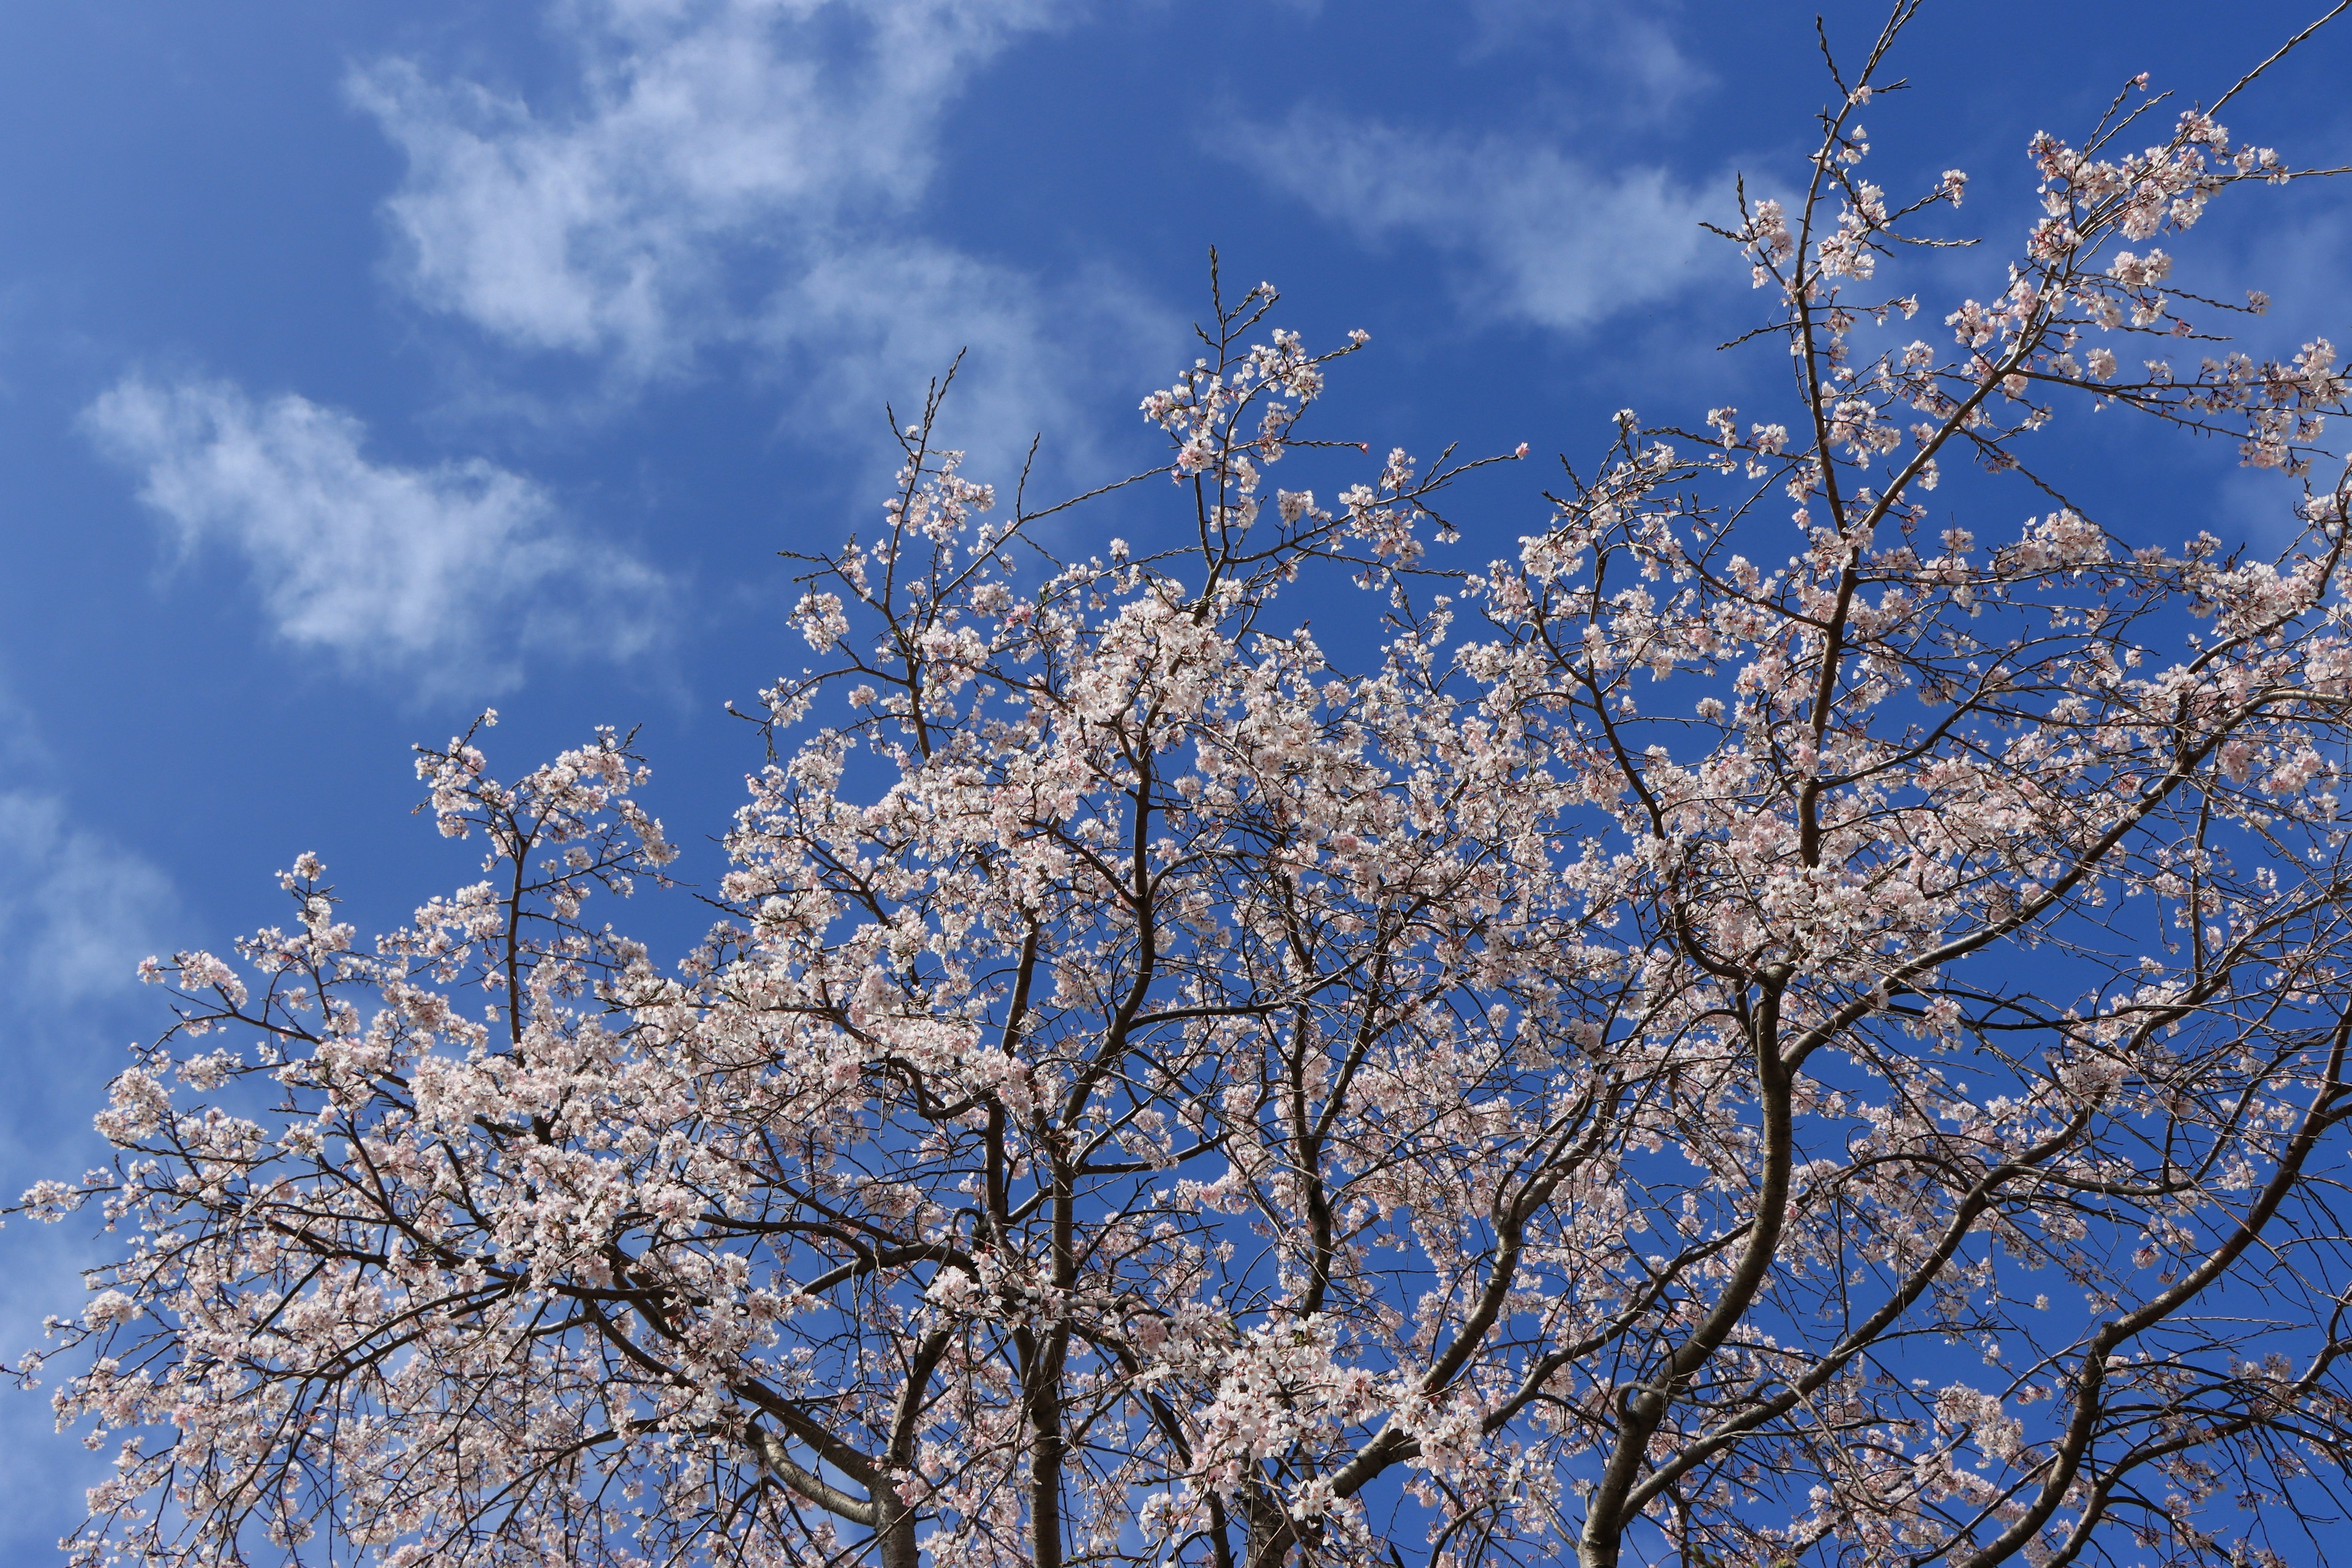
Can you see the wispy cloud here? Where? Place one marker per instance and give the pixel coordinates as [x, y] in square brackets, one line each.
[1645, 64]
[713, 148]
[77, 910]
[749, 173]
[883, 318]
[1535, 234]
[449, 575]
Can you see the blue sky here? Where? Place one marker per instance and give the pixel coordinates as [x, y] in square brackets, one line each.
[361, 365]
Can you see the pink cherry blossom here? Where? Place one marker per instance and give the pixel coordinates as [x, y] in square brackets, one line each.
[1165, 1086]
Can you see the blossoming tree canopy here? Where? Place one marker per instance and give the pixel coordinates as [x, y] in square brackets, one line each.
[1162, 1092]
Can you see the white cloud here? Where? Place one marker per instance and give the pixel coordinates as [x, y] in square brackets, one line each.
[449, 575]
[709, 141]
[751, 174]
[883, 319]
[1643, 65]
[1538, 235]
[77, 911]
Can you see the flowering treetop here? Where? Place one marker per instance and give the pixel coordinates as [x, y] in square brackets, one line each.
[1158, 1094]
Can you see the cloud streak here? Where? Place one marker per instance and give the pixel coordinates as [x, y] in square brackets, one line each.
[77, 911]
[1534, 235]
[709, 141]
[449, 575]
[749, 174]
[1643, 58]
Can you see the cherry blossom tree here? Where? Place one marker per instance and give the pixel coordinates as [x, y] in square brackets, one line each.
[1638, 1051]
